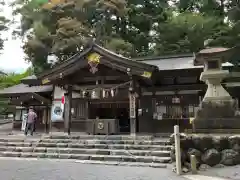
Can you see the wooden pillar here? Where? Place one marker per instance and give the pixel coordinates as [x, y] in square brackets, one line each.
[46, 112]
[153, 109]
[132, 106]
[153, 100]
[138, 106]
[67, 110]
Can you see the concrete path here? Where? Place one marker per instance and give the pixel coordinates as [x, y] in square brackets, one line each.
[232, 172]
[202, 177]
[66, 170]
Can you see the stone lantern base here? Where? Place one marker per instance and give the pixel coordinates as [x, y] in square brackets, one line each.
[214, 115]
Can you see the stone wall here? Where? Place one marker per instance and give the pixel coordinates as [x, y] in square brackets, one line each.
[209, 150]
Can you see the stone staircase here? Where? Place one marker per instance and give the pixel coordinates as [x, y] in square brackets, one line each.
[112, 150]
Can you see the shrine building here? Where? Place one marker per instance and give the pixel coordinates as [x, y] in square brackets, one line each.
[100, 92]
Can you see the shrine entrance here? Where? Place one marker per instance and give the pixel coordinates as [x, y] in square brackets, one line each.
[112, 110]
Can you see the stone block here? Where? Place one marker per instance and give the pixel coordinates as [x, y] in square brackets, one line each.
[26, 155]
[62, 145]
[52, 155]
[52, 150]
[3, 148]
[27, 149]
[64, 150]
[64, 156]
[221, 143]
[80, 156]
[46, 145]
[40, 149]
[211, 157]
[229, 157]
[113, 158]
[97, 157]
[217, 115]
[129, 159]
[12, 154]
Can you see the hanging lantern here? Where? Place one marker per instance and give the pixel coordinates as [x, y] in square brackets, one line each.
[95, 94]
[103, 93]
[112, 92]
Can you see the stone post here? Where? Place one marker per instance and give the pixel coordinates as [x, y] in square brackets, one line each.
[193, 162]
[177, 150]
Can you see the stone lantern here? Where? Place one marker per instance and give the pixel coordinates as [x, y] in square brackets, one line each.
[213, 74]
[217, 109]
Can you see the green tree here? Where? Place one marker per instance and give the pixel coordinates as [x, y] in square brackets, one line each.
[8, 80]
[63, 27]
[132, 28]
[3, 24]
[186, 33]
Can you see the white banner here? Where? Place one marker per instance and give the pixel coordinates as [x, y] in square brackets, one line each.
[57, 111]
[24, 122]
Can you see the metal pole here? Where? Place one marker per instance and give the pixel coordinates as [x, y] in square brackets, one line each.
[177, 150]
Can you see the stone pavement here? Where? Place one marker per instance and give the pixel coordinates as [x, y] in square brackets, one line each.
[232, 172]
[202, 177]
[21, 169]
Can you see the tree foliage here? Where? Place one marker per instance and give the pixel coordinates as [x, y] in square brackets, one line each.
[131, 28]
[3, 24]
[11, 79]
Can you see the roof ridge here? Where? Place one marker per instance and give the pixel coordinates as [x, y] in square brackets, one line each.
[163, 57]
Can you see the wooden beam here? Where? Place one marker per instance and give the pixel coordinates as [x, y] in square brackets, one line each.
[178, 87]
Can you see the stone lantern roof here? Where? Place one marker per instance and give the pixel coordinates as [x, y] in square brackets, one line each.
[213, 53]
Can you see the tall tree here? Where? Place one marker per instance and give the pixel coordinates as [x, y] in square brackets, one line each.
[131, 28]
[186, 33]
[3, 24]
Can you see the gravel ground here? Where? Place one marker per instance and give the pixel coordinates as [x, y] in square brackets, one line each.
[66, 170]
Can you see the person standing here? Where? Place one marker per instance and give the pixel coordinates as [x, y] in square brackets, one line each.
[31, 118]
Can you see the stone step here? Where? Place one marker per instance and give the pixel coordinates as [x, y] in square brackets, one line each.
[22, 139]
[87, 146]
[98, 141]
[111, 163]
[118, 158]
[105, 137]
[132, 164]
[19, 143]
[106, 146]
[87, 151]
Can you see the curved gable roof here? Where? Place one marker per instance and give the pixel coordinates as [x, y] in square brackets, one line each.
[110, 59]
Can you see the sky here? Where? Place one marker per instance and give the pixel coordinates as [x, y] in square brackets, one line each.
[12, 56]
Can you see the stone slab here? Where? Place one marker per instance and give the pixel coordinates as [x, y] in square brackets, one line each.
[143, 159]
[97, 141]
[106, 146]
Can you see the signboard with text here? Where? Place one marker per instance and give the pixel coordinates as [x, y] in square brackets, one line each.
[132, 105]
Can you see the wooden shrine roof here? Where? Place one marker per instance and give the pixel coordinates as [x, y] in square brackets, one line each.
[175, 62]
[109, 59]
[23, 88]
[28, 97]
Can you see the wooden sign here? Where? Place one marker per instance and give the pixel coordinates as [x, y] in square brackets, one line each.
[132, 105]
[146, 74]
[45, 81]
